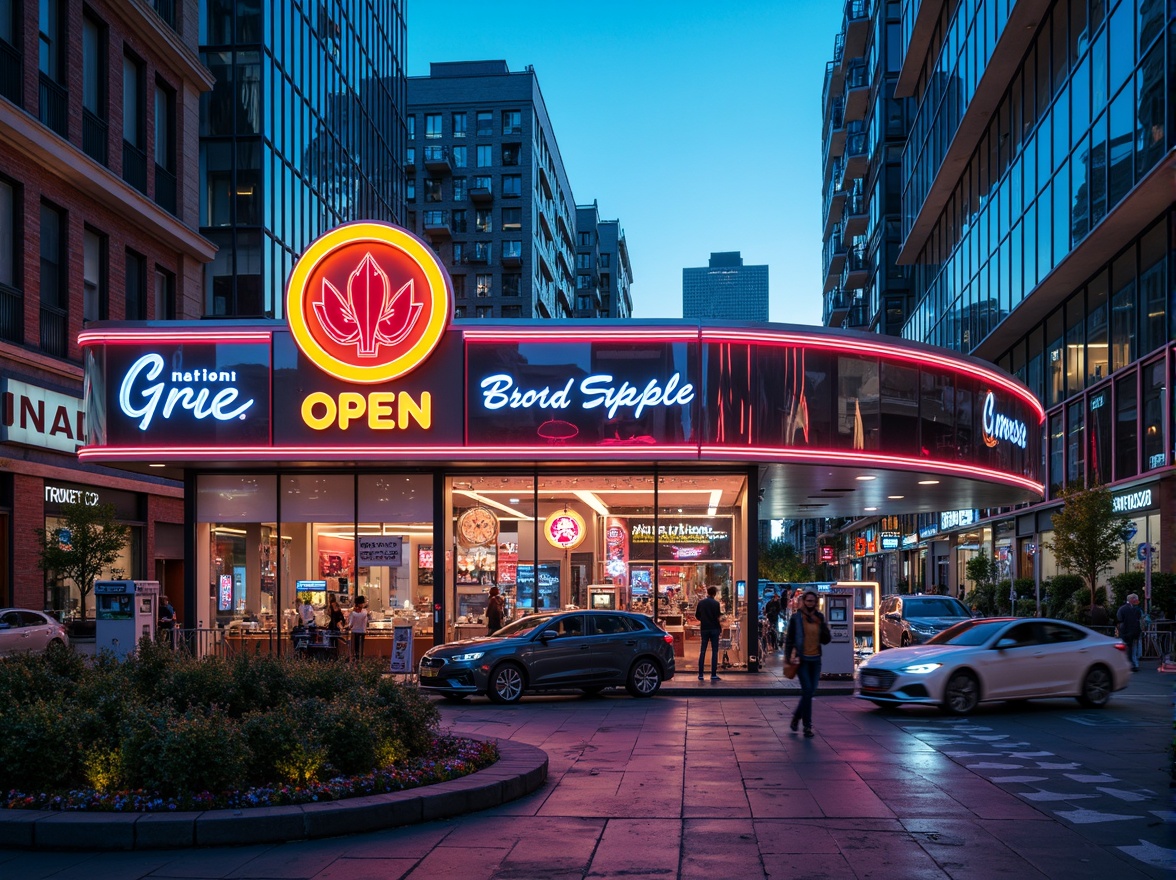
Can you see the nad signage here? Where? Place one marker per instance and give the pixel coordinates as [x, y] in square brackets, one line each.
[35, 416]
[1130, 501]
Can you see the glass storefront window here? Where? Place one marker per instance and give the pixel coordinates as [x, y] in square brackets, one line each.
[1098, 427]
[395, 561]
[236, 542]
[1126, 428]
[1057, 447]
[1075, 444]
[317, 542]
[1153, 416]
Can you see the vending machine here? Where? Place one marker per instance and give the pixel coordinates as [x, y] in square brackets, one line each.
[837, 656]
[125, 611]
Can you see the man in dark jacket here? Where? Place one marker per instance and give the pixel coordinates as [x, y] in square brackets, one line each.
[1130, 620]
[709, 614]
[772, 613]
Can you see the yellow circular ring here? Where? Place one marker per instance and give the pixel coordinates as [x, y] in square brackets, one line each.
[403, 241]
[580, 524]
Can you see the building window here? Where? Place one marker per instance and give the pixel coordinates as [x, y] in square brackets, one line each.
[95, 291]
[432, 189]
[512, 218]
[458, 253]
[136, 287]
[165, 295]
[461, 156]
[512, 186]
[134, 130]
[604, 260]
[605, 281]
[50, 61]
[511, 285]
[485, 284]
[585, 239]
[410, 127]
[410, 157]
[485, 156]
[512, 248]
[459, 290]
[584, 282]
[432, 126]
[459, 312]
[485, 122]
[485, 183]
[1126, 428]
[11, 298]
[485, 311]
[459, 189]
[584, 261]
[512, 122]
[460, 123]
[94, 114]
[512, 311]
[482, 251]
[1153, 416]
[484, 220]
[54, 296]
[510, 154]
[410, 189]
[459, 221]
[165, 146]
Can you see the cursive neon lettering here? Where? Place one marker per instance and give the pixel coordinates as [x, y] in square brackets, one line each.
[143, 403]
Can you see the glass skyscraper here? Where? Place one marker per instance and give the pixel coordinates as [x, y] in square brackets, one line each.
[303, 130]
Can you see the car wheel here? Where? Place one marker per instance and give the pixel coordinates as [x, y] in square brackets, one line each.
[506, 684]
[1096, 688]
[55, 643]
[962, 693]
[454, 698]
[645, 678]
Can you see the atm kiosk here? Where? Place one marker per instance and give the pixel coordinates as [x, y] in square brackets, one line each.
[837, 657]
[125, 611]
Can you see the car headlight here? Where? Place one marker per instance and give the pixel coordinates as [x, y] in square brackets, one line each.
[467, 658]
[924, 629]
[920, 668]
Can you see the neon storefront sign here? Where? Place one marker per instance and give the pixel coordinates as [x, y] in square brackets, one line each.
[997, 427]
[501, 390]
[198, 391]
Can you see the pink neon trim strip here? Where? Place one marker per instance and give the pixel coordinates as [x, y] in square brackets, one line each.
[196, 337]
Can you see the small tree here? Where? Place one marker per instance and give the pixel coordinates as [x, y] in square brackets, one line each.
[779, 562]
[83, 545]
[1087, 534]
[982, 571]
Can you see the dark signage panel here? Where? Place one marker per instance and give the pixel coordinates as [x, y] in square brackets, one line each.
[581, 393]
[312, 408]
[191, 394]
[687, 539]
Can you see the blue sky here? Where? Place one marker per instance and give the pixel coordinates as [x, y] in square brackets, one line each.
[697, 124]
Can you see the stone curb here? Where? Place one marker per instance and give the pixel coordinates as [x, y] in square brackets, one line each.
[520, 770]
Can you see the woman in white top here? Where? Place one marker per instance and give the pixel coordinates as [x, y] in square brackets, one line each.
[357, 623]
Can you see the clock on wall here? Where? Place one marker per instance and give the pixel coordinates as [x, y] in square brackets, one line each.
[477, 525]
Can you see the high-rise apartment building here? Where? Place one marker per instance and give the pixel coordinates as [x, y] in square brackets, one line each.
[303, 130]
[603, 273]
[99, 202]
[864, 131]
[1038, 222]
[726, 289]
[487, 187]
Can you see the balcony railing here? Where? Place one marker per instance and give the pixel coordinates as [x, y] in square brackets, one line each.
[165, 189]
[437, 158]
[53, 105]
[11, 314]
[11, 74]
[94, 137]
[134, 166]
[54, 330]
[167, 11]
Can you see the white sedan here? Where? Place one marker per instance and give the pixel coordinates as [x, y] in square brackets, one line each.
[25, 631]
[998, 659]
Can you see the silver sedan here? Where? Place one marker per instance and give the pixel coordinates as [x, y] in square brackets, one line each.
[24, 631]
[993, 659]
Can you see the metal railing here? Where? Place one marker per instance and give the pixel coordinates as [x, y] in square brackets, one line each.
[165, 189]
[167, 11]
[54, 330]
[94, 136]
[11, 314]
[53, 105]
[134, 166]
[11, 74]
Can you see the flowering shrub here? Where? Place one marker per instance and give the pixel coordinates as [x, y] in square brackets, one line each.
[166, 731]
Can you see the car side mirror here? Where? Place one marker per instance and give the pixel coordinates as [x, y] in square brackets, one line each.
[1006, 643]
[547, 635]
[894, 615]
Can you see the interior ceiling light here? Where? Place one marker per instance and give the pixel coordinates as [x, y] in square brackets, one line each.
[928, 482]
[492, 503]
[895, 497]
[716, 498]
[865, 478]
[592, 501]
[869, 508]
[157, 465]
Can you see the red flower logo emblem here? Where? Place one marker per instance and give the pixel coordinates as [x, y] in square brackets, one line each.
[368, 302]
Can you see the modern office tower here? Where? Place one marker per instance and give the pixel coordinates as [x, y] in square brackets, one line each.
[864, 131]
[726, 289]
[98, 219]
[303, 131]
[487, 187]
[603, 273]
[1038, 219]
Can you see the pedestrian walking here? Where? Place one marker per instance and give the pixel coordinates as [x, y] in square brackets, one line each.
[772, 613]
[709, 614]
[495, 605]
[357, 623]
[1130, 620]
[807, 632]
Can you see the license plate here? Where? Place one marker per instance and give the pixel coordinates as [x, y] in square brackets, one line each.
[429, 673]
[870, 681]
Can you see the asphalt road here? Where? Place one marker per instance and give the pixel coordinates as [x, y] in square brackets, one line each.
[717, 786]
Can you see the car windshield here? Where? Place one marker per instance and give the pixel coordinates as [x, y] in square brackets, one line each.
[934, 606]
[523, 627]
[969, 632]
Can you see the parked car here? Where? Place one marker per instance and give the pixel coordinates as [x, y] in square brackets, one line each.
[22, 631]
[998, 659]
[912, 620]
[586, 650]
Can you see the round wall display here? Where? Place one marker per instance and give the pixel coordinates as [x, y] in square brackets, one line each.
[478, 525]
[565, 529]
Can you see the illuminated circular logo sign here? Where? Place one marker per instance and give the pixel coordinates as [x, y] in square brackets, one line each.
[565, 529]
[368, 302]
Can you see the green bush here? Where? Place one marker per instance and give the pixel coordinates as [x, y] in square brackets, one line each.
[1059, 590]
[1163, 598]
[178, 726]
